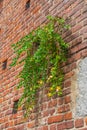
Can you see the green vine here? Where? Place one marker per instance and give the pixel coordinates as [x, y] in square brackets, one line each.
[44, 51]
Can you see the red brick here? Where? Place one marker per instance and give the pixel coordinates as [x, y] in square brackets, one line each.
[68, 116]
[6, 124]
[31, 124]
[43, 106]
[79, 123]
[11, 123]
[68, 75]
[52, 111]
[86, 120]
[67, 107]
[61, 126]
[53, 127]
[12, 128]
[60, 101]
[52, 103]
[21, 127]
[46, 113]
[67, 99]
[77, 41]
[1, 120]
[83, 129]
[76, 28]
[45, 127]
[67, 83]
[61, 109]
[55, 119]
[1, 100]
[69, 124]
[66, 91]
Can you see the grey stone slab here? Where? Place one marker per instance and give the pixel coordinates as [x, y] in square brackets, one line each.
[81, 99]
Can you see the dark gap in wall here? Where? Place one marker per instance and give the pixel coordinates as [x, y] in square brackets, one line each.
[1, 5]
[27, 4]
[35, 47]
[15, 107]
[4, 64]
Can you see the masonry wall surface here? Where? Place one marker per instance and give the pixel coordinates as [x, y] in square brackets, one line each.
[58, 113]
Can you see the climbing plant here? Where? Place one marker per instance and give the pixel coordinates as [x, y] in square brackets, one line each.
[44, 51]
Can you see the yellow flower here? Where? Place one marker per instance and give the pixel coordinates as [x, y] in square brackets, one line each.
[51, 88]
[52, 68]
[49, 77]
[31, 89]
[30, 108]
[40, 82]
[46, 29]
[49, 94]
[58, 88]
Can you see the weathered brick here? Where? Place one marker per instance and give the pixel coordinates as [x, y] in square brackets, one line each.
[60, 101]
[83, 129]
[53, 127]
[61, 126]
[86, 121]
[61, 109]
[46, 113]
[31, 124]
[69, 124]
[45, 127]
[52, 111]
[67, 99]
[67, 83]
[52, 103]
[79, 123]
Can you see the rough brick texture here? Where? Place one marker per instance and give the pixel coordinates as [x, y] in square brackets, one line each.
[15, 22]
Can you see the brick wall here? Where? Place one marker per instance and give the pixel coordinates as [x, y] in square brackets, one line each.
[15, 22]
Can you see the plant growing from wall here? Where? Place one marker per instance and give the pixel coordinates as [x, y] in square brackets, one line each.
[44, 51]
